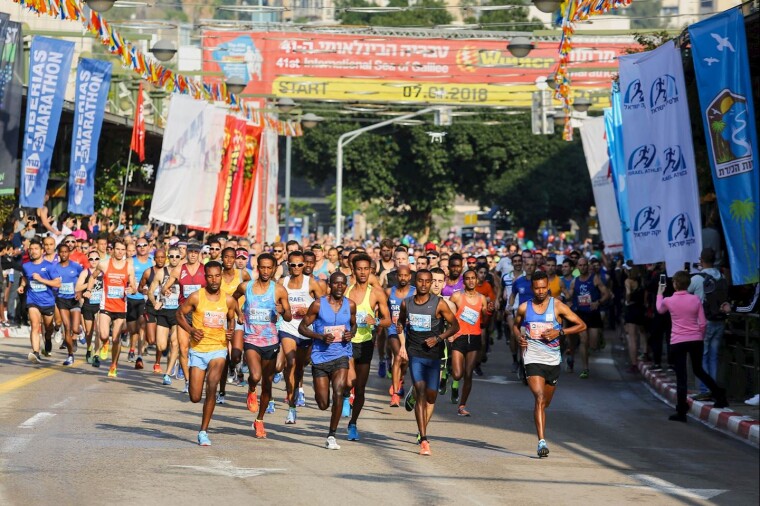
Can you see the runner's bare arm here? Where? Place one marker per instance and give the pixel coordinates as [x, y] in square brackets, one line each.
[311, 315]
[240, 290]
[349, 334]
[132, 281]
[400, 331]
[382, 307]
[232, 311]
[143, 281]
[446, 313]
[186, 308]
[606, 294]
[281, 298]
[81, 285]
[562, 310]
[245, 275]
[151, 291]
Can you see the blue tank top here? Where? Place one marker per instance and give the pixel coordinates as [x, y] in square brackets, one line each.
[69, 276]
[328, 321]
[140, 268]
[523, 289]
[394, 302]
[260, 312]
[322, 270]
[37, 293]
[541, 350]
[584, 294]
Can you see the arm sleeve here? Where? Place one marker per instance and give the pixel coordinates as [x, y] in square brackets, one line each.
[662, 305]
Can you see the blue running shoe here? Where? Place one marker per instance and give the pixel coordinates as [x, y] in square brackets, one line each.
[69, 360]
[203, 439]
[543, 450]
[82, 340]
[180, 373]
[382, 369]
[353, 432]
[270, 408]
[346, 408]
[187, 388]
[300, 400]
[277, 378]
[167, 379]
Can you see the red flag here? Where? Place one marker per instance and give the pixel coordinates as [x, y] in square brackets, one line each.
[138, 128]
[250, 160]
[230, 183]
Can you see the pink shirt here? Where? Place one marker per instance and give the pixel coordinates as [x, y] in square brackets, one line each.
[687, 315]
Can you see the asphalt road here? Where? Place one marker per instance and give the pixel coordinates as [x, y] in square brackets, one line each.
[72, 436]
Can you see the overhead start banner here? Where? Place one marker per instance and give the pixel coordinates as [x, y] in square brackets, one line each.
[93, 83]
[600, 171]
[355, 67]
[661, 73]
[613, 126]
[49, 65]
[11, 96]
[719, 49]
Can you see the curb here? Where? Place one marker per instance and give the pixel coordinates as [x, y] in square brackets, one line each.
[743, 427]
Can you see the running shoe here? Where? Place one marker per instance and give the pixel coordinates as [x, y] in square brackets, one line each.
[252, 403]
[34, 357]
[389, 374]
[353, 432]
[444, 385]
[186, 390]
[382, 369]
[584, 374]
[244, 369]
[62, 346]
[300, 400]
[156, 368]
[409, 400]
[131, 356]
[331, 443]
[454, 395]
[425, 448]
[139, 363]
[103, 354]
[69, 360]
[82, 340]
[478, 371]
[231, 378]
[346, 407]
[704, 396]
[203, 439]
[258, 427]
[58, 336]
[543, 450]
[277, 378]
[173, 374]
[270, 408]
[462, 411]
[48, 348]
[96, 361]
[678, 417]
[395, 401]
[291, 418]
[88, 357]
[180, 373]
[112, 372]
[167, 380]
[220, 398]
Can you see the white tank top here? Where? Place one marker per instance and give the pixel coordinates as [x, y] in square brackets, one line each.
[300, 299]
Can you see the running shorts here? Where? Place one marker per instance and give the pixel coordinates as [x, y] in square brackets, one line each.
[265, 352]
[45, 310]
[89, 311]
[362, 352]
[300, 341]
[592, 319]
[67, 304]
[466, 343]
[328, 368]
[427, 370]
[135, 309]
[550, 373]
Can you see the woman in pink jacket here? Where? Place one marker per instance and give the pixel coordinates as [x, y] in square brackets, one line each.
[689, 325]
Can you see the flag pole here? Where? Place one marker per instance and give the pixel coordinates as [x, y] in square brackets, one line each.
[124, 189]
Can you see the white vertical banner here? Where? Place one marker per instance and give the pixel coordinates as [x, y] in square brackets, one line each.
[643, 171]
[593, 136]
[661, 71]
[180, 161]
[272, 223]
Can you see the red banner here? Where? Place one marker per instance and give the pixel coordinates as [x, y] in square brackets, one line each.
[230, 183]
[239, 222]
[138, 127]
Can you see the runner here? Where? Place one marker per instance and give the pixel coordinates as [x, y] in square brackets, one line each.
[322, 267]
[395, 295]
[539, 324]
[587, 292]
[151, 312]
[309, 261]
[118, 281]
[485, 287]
[570, 342]
[421, 318]
[264, 300]
[345, 264]
[211, 312]
[334, 324]
[67, 299]
[371, 311]
[555, 282]
[232, 277]
[91, 305]
[454, 283]
[165, 307]
[142, 261]
[521, 293]
[439, 281]
[386, 262]
[50, 255]
[472, 311]
[41, 276]
[278, 251]
[302, 291]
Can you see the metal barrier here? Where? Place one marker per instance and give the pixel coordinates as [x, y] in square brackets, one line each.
[739, 360]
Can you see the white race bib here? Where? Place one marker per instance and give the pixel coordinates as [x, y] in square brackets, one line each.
[536, 329]
[469, 315]
[66, 289]
[420, 322]
[115, 292]
[584, 300]
[258, 315]
[95, 297]
[336, 330]
[37, 286]
[214, 319]
[188, 290]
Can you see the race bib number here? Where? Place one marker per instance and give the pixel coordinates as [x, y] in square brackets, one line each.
[95, 297]
[394, 316]
[37, 286]
[361, 319]
[66, 289]
[536, 329]
[188, 290]
[258, 315]
[172, 300]
[214, 319]
[298, 311]
[420, 322]
[584, 300]
[115, 292]
[470, 316]
[335, 330]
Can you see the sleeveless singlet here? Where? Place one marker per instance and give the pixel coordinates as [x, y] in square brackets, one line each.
[363, 331]
[229, 288]
[260, 313]
[96, 294]
[423, 323]
[190, 283]
[555, 287]
[329, 321]
[114, 288]
[211, 317]
[171, 301]
[322, 270]
[300, 299]
[394, 304]
[469, 317]
[584, 294]
[566, 284]
[540, 350]
[449, 290]
[140, 268]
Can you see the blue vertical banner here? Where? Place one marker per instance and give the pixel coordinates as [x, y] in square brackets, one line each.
[49, 65]
[719, 50]
[613, 125]
[93, 83]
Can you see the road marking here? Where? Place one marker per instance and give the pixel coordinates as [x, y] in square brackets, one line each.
[499, 380]
[62, 403]
[666, 487]
[602, 361]
[225, 468]
[26, 379]
[39, 417]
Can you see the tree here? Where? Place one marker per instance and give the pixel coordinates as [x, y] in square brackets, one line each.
[425, 13]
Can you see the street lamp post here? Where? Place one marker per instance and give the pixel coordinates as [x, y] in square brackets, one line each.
[343, 141]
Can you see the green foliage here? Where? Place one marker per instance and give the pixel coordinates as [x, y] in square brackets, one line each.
[418, 15]
[506, 19]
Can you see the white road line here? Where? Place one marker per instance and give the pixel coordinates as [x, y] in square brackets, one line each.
[225, 468]
[602, 361]
[39, 417]
[499, 380]
[62, 403]
[666, 487]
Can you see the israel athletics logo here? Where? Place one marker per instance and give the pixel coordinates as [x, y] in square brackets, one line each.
[674, 164]
[664, 92]
[643, 160]
[634, 96]
[647, 222]
[680, 231]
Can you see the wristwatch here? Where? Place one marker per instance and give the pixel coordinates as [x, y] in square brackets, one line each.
[561, 332]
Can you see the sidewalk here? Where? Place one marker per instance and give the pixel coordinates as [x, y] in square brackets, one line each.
[740, 421]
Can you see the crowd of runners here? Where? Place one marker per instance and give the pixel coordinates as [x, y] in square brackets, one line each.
[232, 312]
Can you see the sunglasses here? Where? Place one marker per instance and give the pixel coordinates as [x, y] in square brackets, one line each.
[69, 242]
[175, 256]
[432, 256]
[93, 259]
[346, 256]
[301, 264]
[142, 245]
[277, 250]
[215, 249]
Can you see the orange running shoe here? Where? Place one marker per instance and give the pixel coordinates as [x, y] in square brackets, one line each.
[395, 401]
[253, 402]
[258, 427]
[424, 448]
[156, 368]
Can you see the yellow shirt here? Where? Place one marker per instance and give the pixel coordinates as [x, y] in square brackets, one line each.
[555, 287]
[363, 331]
[211, 317]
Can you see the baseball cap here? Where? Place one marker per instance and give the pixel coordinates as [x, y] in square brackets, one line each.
[241, 253]
[429, 246]
[193, 246]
